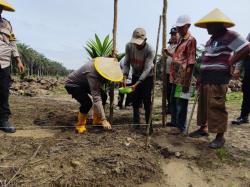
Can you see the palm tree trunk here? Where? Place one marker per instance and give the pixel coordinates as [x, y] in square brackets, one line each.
[111, 112]
[164, 45]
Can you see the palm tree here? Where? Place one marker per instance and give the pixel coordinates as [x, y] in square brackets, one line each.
[37, 64]
[96, 48]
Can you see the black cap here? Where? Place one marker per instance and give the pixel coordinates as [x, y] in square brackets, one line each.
[173, 31]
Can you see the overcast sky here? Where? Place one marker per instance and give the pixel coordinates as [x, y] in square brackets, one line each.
[59, 29]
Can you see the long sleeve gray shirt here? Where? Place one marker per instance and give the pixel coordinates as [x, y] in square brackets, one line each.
[88, 76]
[141, 61]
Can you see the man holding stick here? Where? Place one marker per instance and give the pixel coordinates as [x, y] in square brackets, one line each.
[184, 59]
[223, 49]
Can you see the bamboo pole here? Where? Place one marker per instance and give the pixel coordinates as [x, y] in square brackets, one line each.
[164, 57]
[150, 124]
[111, 94]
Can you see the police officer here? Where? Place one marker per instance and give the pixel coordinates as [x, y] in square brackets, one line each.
[8, 51]
[88, 80]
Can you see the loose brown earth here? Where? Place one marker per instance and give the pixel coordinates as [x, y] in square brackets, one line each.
[43, 152]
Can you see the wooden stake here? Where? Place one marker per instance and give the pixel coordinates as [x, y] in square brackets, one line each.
[111, 94]
[150, 125]
[192, 112]
[164, 57]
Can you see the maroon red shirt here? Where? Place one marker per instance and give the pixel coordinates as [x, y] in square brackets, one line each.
[184, 55]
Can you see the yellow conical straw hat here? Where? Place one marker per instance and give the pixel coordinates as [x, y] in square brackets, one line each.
[108, 68]
[6, 6]
[216, 16]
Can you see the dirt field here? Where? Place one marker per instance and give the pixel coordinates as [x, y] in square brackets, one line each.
[43, 152]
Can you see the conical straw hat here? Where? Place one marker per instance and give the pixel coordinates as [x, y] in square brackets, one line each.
[6, 6]
[108, 68]
[216, 16]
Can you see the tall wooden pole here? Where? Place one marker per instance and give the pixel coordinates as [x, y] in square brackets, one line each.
[150, 125]
[115, 26]
[164, 57]
[111, 94]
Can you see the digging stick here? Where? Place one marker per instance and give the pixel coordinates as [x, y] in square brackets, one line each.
[150, 125]
[164, 45]
[111, 94]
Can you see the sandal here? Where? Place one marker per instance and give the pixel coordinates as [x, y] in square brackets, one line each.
[198, 133]
[216, 144]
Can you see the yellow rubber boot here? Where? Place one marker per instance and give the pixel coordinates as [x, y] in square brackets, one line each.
[96, 119]
[81, 124]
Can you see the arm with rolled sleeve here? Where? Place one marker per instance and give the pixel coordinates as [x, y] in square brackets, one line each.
[16, 56]
[126, 65]
[15, 52]
[95, 89]
[13, 45]
[191, 60]
[149, 64]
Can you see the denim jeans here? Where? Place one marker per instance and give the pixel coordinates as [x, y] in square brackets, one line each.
[179, 108]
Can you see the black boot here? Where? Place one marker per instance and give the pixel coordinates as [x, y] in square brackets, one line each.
[240, 120]
[7, 127]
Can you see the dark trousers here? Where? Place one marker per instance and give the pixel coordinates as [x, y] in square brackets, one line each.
[179, 108]
[81, 94]
[5, 81]
[169, 90]
[142, 94]
[245, 108]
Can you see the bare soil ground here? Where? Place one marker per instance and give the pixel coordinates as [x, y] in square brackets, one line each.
[45, 151]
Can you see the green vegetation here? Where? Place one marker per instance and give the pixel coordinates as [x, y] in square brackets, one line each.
[37, 64]
[233, 185]
[222, 154]
[97, 48]
[234, 99]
